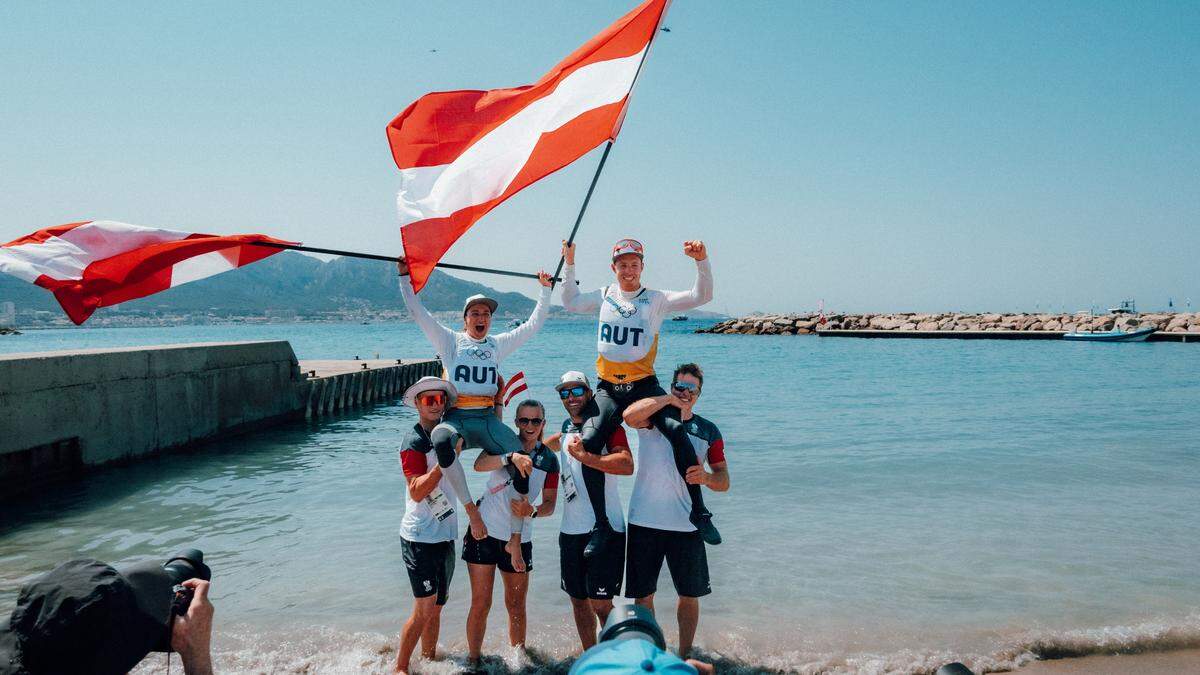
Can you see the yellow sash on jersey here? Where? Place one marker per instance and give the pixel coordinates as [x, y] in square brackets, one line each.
[475, 401]
[623, 372]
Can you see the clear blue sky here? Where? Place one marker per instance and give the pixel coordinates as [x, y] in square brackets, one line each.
[882, 156]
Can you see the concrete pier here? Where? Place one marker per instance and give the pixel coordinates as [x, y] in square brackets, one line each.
[61, 412]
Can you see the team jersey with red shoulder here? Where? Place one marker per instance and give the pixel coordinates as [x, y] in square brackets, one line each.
[426, 521]
[660, 498]
[577, 514]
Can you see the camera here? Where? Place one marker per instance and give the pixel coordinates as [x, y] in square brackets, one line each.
[88, 616]
[631, 642]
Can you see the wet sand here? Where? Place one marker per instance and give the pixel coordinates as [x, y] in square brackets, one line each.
[1158, 663]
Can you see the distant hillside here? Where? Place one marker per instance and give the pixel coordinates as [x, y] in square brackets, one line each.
[290, 281]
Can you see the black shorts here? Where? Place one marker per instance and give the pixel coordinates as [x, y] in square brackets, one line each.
[490, 551]
[685, 556]
[430, 567]
[598, 579]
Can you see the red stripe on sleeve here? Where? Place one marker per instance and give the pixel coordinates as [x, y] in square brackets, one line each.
[413, 462]
[716, 452]
[618, 438]
[551, 481]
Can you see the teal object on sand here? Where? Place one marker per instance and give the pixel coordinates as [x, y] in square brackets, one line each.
[629, 656]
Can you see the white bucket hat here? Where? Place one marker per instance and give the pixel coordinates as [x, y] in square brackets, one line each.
[430, 383]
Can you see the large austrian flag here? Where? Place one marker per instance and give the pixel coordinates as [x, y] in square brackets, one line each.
[461, 153]
[100, 263]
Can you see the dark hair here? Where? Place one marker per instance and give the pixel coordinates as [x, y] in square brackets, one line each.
[692, 369]
[532, 402]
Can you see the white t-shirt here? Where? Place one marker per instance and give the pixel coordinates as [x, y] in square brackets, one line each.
[495, 507]
[419, 523]
[577, 514]
[660, 498]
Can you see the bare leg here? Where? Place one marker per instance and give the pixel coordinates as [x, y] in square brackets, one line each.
[423, 612]
[585, 622]
[688, 614]
[647, 602]
[429, 636]
[602, 608]
[482, 579]
[516, 589]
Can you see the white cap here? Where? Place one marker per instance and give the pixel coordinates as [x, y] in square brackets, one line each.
[479, 299]
[430, 383]
[572, 377]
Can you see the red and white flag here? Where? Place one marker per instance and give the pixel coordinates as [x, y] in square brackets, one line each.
[461, 153]
[514, 385]
[99, 263]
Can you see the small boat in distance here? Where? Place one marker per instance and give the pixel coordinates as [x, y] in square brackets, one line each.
[679, 317]
[1115, 335]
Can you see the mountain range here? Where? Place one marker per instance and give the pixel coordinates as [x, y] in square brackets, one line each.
[289, 281]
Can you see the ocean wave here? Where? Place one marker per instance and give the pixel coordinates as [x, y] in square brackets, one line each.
[327, 650]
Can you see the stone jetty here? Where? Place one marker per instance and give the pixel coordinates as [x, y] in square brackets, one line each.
[806, 324]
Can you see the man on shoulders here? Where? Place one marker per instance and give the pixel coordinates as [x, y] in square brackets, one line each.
[659, 524]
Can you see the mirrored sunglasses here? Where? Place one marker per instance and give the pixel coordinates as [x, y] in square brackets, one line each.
[572, 391]
[431, 398]
[685, 386]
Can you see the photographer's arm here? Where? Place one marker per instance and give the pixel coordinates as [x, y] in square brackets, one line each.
[191, 635]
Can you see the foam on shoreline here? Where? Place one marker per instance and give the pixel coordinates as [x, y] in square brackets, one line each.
[328, 650]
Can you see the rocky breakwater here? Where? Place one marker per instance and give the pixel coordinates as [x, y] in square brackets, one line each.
[804, 324]
[9, 331]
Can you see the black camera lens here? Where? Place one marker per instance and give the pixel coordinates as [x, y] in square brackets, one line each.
[187, 564]
[633, 622]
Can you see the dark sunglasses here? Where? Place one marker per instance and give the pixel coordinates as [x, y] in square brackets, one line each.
[684, 386]
[529, 420]
[573, 391]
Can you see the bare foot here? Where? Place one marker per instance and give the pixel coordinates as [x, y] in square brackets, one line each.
[514, 552]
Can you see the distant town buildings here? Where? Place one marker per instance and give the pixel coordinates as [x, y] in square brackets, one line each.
[8, 314]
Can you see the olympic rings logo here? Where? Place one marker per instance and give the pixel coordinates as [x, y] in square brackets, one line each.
[481, 354]
[625, 312]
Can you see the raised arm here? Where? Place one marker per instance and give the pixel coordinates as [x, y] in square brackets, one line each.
[702, 292]
[439, 336]
[507, 343]
[572, 299]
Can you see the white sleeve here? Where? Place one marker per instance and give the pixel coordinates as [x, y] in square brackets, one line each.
[507, 343]
[573, 300]
[439, 336]
[700, 294]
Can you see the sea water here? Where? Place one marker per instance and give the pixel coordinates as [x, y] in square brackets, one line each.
[895, 504]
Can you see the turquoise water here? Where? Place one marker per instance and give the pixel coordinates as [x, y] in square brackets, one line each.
[895, 504]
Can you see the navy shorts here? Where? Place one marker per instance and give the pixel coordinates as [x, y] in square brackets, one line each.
[597, 579]
[685, 555]
[430, 567]
[490, 551]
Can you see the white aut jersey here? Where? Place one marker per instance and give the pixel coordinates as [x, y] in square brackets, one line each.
[495, 505]
[627, 334]
[660, 498]
[577, 514]
[429, 520]
[472, 365]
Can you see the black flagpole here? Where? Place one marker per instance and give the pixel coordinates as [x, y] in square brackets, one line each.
[391, 258]
[591, 188]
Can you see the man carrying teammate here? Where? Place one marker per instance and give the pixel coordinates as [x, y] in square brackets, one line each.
[660, 526]
[429, 526]
[591, 583]
[630, 317]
